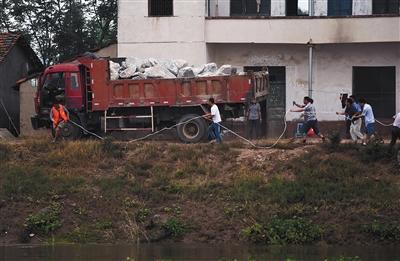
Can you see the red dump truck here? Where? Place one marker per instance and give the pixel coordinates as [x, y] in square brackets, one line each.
[102, 105]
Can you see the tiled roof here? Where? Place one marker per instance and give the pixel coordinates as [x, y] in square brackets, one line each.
[7, 41]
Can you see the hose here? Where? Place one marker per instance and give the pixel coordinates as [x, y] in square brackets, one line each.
[85, 130]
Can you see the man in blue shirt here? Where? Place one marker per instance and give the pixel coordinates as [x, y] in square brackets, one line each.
[369, 118]
[352, 110]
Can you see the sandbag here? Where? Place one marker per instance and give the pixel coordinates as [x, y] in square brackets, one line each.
[186, 72]
[114, 69]
[158, 72]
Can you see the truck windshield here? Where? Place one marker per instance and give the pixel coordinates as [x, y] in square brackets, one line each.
[54, 81]
[53, 89]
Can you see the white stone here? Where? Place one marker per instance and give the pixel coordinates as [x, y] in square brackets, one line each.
[114, 69]
[158, 72]
[186, 72]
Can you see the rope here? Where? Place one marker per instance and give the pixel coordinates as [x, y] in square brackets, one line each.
[226, 128]
[9, 117]
[383, 124]
[85, 130]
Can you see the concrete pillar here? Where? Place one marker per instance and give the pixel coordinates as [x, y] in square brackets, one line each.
[320, 7]
[278, 7]
[362, 7]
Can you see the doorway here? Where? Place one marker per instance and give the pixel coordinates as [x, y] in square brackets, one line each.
[378, 86]
[276, 99]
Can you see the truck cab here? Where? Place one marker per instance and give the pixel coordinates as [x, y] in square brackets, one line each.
[62, 84]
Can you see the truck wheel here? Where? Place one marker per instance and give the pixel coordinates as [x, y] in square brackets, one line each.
[192, 131]
[70, 131]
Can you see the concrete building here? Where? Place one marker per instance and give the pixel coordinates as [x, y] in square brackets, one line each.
[321, 48]
[17, 60]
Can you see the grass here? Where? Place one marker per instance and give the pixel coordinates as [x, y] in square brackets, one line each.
[326, 193]
[46, 221]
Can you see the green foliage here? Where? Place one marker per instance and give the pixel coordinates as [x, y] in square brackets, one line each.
[112, 149]
[20, 182]
[292, 231]
[46, 221]
[247, 187]
[344, 258]
[142, 214]
[174, 227]
[283, 231]
[332, 179]
[374, 151]
[83, 234]
[60, 30]
[334, 140]
[111, 186]
[383, 231]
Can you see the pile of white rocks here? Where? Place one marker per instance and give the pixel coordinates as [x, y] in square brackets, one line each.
[139, 69]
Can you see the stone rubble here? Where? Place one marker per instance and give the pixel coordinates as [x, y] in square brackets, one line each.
[140, 69]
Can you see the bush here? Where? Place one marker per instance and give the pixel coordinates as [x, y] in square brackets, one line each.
[374, 151]
[284, 231]
[46, 221]
[112, 149]
[292, 231]
[5, 152]
[334, 140]
[383, 231]
[174, 227]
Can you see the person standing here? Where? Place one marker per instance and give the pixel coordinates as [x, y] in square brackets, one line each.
[395, 130]
[310, 117]
[369, 118]
[214, 130]
[59, 116]
[254, 118]
[350, 111]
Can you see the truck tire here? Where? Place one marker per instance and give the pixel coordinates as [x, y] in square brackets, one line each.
[193, 131]
[70, 131]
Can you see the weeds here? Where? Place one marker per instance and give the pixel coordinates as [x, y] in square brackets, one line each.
[383, 231]
[111, 187]
[283, 231]
[46, 221]
[5, 152]
[174, 227]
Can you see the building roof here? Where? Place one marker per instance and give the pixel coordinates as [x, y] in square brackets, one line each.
[7, 41]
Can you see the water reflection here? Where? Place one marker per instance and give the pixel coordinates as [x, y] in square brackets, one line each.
[175, 252]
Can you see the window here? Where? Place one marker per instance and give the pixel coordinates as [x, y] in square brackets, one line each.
[385, 6]
[340, 7]
[250, 7]
[74, 81]
[378, 86]
[297, 7]
[54, 81]
[161, 8]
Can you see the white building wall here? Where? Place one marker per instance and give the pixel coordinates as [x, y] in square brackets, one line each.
[220, 7]
[178, 36]
[333, 67]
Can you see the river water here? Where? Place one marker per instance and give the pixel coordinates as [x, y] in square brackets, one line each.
[175, 252]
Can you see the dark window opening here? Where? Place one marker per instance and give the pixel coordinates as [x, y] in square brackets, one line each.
[250, 7]
[297, 7]
[340, 7]
[378, 86]
[161, 8]
[385, 6]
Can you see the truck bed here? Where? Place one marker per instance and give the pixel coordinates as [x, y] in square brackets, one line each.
[170, 92]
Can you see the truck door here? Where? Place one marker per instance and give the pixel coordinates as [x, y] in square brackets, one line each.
[73, 91]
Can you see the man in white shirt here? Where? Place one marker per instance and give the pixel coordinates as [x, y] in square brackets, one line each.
[214, 131]
[395, 130]
[369, 119]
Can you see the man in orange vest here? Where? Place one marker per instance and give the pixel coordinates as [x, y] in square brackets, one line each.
[59, 116]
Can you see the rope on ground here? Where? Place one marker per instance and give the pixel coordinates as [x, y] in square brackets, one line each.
[85, 130]
[226, 128]
[258, 146]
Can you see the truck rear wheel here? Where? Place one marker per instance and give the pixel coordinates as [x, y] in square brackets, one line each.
[192, 131]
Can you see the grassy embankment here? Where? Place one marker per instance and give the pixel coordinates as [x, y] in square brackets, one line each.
[89, 191]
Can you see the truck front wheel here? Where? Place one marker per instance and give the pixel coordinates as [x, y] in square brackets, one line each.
[191, 131]
[70, 131]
